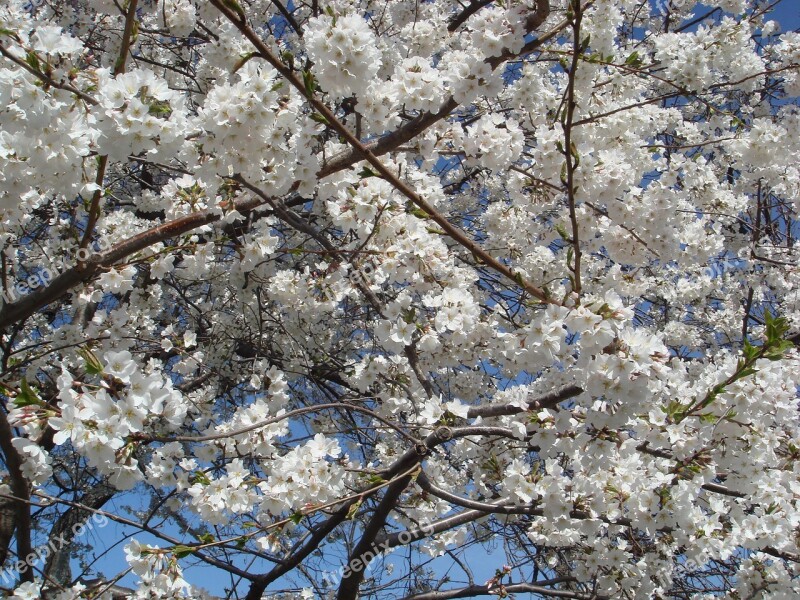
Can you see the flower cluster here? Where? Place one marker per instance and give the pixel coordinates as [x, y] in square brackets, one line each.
[495, 142]
[140, 114]
[303, 478]
[345, 54]
[99, 422]
[549, 297]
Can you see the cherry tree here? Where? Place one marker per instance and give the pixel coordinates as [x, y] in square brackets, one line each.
[328, 299]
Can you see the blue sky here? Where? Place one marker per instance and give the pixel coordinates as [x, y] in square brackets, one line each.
[787, 13]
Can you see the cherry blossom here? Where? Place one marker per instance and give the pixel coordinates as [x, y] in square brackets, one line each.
[304, 295]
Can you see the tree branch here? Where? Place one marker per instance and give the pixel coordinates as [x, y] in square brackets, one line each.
[19, 485]
[511, 588]
[25, 307]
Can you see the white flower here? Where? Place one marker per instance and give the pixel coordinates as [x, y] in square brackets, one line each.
[403, 332]
[189, 339]
[27, 591]
[120, 365]
[432, 411]
[51, 40]
[117, 281]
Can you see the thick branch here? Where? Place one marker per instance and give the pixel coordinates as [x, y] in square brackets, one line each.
[348, 588]
[367, 550]
[62, 533]
[25, 307]
[21, 489]
[547, 401]
[512, 588]
[258, 586]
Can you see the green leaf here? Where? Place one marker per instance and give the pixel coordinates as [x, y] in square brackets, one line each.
[778, 350]
[296, 518]
[633, 58]
[673, 409]
[243, 61]
[91, 363]
[310, 84]
[33, 60]
[777, 327]
[750, 352]
[605, 311]
[201, 478]
[206, 538]
[573, 150]
[159, 109]
[367, 172]
[27, 396]
[235, 7]
[119, 64]
[181, 551]
[319, 118]
[373, 480]
[351, 513]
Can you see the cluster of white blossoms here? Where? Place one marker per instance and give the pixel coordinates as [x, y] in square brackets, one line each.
[141, 114]
[356, 208]
[789, 52]
[493, 142]
[254, 116]
[419, 84]
[549, 297]
[696, 60]
[160, 575]
[101, 420]
[34, 160]
[180, 16]
[468, 76]
[303, 478]
[345, 53]
[498, 29]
